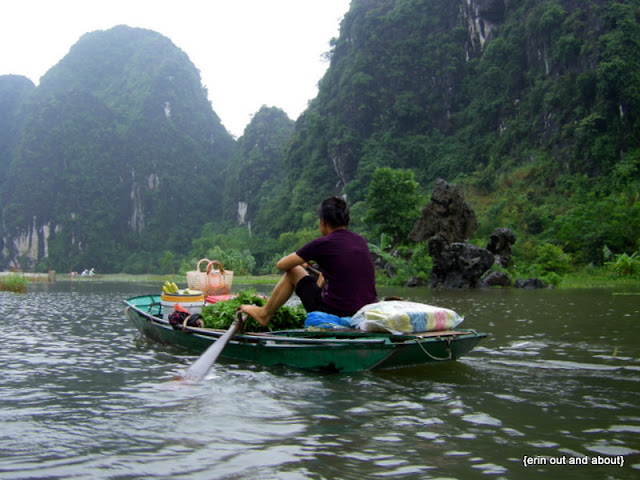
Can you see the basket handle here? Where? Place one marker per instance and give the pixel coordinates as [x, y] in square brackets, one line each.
[202, 260]
[212, 263]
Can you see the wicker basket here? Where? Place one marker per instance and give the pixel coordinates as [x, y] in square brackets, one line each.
[197, 279]
[219, 280]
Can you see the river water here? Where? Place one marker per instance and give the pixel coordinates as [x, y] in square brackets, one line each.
[554, 390]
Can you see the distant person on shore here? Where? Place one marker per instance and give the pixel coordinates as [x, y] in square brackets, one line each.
[347, 279]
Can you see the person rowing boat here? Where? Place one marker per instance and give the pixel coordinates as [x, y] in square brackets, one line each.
[347, 275]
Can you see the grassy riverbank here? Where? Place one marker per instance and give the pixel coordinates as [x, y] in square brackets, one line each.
[179, 279]
[599, 279]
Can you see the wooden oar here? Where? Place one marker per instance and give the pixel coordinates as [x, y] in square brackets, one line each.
[313, 270]
[201, 366]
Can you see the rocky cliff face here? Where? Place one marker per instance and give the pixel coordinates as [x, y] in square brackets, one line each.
[482, 17]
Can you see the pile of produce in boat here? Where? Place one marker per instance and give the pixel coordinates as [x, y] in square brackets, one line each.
[170, 287]
[222, 314]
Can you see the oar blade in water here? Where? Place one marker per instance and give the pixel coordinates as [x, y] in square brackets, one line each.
[201, 366]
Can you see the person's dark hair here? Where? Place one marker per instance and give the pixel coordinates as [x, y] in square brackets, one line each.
[334, 211]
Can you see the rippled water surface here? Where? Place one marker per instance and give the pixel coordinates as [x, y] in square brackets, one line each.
[83, 396]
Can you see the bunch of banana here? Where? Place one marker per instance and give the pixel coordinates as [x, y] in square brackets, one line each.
[170, 287]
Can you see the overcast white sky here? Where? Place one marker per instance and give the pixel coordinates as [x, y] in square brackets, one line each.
[249, 52]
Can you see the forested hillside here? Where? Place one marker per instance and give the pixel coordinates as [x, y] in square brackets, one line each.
[532, 106]
[256, 166]
[115, 158]
[13, 91]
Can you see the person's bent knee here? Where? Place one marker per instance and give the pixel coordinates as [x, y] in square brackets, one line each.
[295, 274]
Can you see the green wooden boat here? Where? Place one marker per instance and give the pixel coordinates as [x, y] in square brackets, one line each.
[328, 351]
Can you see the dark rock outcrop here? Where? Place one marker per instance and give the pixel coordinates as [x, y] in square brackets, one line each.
[500, 242]
[530, 283]
[457, 265]
[447, 215]
[491, 10]
[497, 279]
[447, 221]
[381, 264]
[415, 282]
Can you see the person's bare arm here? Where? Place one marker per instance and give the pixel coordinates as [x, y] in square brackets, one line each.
[287, 263]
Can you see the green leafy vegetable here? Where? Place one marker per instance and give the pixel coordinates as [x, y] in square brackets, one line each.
[221, 315]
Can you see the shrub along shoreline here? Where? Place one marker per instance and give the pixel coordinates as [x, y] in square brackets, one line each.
[13, 283]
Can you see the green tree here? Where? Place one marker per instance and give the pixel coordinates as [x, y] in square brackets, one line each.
[168, 262]
[593, 223]
[392, 203]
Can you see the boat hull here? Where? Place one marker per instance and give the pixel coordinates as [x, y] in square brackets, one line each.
[340, 351]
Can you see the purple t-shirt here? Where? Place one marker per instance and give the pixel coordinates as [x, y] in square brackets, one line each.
[343, 258]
